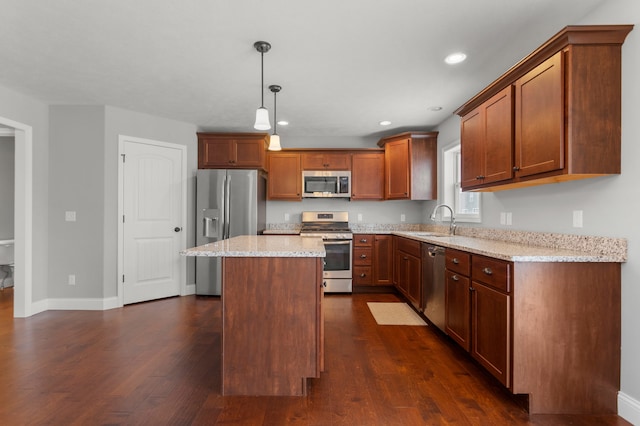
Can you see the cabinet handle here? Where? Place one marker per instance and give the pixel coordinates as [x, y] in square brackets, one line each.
[363, 256]
[487, 271]
[516, 169]
[455, 261]
[405, 258]
[455, 278]
[472, 289]
[362, 275]
[480, 177]
[363, 240]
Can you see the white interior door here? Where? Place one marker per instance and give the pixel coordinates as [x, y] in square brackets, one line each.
[152, 221]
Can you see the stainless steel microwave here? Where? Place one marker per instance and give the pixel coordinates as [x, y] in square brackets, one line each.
[326, 183]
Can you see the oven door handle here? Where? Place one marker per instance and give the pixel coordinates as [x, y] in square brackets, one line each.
[337, 241]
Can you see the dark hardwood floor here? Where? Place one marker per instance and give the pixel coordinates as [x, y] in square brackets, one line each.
[159, 363]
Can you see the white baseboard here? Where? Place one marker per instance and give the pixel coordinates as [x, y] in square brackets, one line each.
[629, 408]
[39, 306]
[88, 304]
[191, 289]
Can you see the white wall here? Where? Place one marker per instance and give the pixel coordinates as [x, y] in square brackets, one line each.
[7, 183]
[610, 204]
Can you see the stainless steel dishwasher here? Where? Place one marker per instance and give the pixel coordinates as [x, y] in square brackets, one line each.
[433, 284]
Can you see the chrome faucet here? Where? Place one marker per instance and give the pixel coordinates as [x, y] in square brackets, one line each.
[452, 225]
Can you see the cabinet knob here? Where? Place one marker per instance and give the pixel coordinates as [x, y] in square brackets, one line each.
[363, 240]
[487, 271]
[516, 169]
[478, 177]
[455, 261]
[472, 289]
[362, 275]
[455, 278]
[363, 256]
[405, 258]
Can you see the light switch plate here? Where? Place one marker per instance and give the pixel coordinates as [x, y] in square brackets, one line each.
[287, 217]
[577, 219]
[70, 216]
[402, 217]
[359, 217]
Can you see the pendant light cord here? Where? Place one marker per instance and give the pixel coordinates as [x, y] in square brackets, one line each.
[275, 114]
[262, 77]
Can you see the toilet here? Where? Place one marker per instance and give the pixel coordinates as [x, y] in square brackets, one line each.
[6, 263]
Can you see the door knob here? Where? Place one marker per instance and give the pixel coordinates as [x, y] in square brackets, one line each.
[177, 229]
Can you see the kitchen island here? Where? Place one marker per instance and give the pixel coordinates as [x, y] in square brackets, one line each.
[272, 320]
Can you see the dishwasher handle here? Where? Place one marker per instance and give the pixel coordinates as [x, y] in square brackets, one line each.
[435, 250]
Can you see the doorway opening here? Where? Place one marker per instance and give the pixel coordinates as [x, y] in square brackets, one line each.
[23, 217]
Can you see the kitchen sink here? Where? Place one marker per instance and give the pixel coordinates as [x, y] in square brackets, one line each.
[429, 234]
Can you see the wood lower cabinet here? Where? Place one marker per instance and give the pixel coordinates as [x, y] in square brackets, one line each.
[285, 177]
[547, 330]
[407, 269]
[411, 163]
[372, 260]
[232, 150]
[566, 116]
[383, 259]
[367, 176]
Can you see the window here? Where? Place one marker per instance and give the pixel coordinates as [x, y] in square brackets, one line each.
[466, 205]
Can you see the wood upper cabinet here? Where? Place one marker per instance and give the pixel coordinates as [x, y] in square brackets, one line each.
[487, 131]
[285, 177]
[232, 150]
[367, 176]
[326, 161]
[411, 166]
[540, 137]
[566, 116]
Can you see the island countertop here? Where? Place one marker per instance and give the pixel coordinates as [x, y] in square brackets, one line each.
[261, 246]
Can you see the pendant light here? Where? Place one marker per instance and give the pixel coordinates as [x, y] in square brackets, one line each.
[262, 114]
[274, 141]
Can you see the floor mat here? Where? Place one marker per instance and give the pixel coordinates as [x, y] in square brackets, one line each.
[394, 314]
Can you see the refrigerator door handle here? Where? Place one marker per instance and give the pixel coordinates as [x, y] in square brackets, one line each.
[227, 207]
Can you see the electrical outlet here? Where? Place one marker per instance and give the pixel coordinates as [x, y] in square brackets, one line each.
[70, 216]
[287, 217]
[359, 217]
[71, 280]
[509, 219]
[577, 219]
[402, 217]
[503, 218]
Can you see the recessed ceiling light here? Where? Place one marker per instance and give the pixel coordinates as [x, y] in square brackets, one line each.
[455, 58]
[283, 123]
[435, 108]
[385, 123]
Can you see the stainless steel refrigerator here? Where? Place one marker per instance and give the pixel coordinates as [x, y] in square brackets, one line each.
[229, 203]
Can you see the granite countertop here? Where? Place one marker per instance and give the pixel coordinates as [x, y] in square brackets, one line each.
[510, 251]
[261, 246]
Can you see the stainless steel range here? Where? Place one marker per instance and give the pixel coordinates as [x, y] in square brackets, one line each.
[333, 228]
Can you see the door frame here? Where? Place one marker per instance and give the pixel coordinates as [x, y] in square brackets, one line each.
[23, 219]
[122, 140]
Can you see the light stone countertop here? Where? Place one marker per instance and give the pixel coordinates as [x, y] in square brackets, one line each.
[261, 246]
[511, 251]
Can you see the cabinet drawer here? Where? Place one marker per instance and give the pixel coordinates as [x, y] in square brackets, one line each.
[492, 272]
[362, 255]
[409, 246]
[362, 275]
[458, 261]
[365, 240]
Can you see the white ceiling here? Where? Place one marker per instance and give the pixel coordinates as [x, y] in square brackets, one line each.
[344, 65]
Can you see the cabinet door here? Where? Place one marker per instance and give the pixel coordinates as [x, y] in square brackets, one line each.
[249, 153]
[326, 161]
[285, 177]
[215, 152]
[397, 172]
[498, 140]
[313, 161]
[338, 161]
[539, 118]
[367, 177]
[472, 148]
[490, 323]
[458, 309]
[400, 271]
[383, 260]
